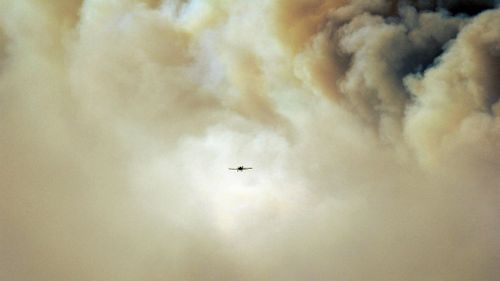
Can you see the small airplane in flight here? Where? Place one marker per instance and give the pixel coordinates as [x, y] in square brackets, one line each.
[240, 168]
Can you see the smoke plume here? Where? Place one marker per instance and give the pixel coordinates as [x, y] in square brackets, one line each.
[372, 128]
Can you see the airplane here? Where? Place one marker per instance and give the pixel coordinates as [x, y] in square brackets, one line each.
[240, 168]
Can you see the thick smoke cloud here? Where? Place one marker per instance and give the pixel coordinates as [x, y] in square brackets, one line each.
[372, 127]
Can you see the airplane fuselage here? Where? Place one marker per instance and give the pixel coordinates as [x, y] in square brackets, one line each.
[240, 168]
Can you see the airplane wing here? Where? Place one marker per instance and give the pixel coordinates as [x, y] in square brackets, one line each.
[232, 169]
[246, 168]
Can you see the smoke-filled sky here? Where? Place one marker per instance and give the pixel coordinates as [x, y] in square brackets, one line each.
[373, 130]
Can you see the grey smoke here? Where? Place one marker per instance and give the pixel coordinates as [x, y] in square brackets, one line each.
[372, 127]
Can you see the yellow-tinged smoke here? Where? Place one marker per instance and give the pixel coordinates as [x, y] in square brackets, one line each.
[372, 128]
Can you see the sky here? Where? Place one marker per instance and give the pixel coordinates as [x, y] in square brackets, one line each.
[373, 130]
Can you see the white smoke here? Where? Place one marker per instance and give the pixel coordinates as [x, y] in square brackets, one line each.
[372, 128]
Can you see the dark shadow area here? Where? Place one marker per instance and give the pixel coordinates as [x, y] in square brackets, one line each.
[454, 7]
[492, 81]
[466, 7]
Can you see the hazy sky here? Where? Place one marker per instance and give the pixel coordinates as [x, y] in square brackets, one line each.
[373, 130]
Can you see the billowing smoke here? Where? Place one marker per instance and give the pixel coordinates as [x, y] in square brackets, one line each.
[372, 126]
